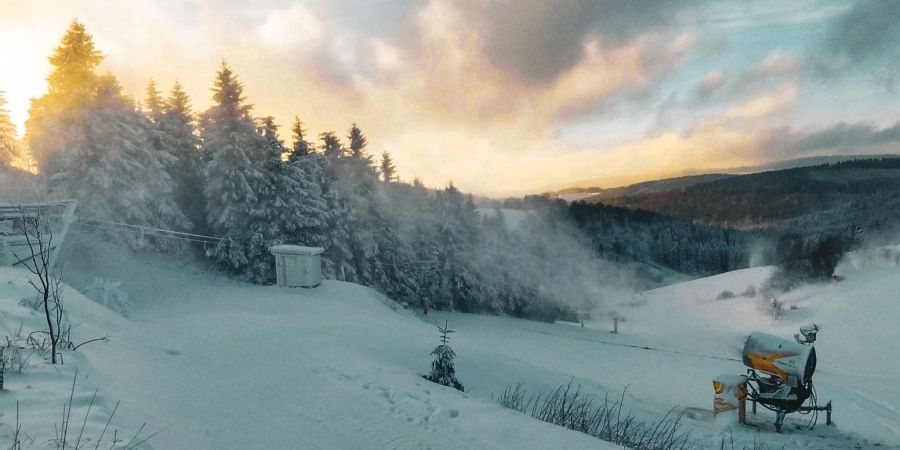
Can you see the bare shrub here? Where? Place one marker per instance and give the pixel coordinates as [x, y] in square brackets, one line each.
[74, 435]
[568, 407]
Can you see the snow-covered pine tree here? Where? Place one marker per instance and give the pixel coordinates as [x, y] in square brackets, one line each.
[357, 185]
[112, 168]
[388, 169]
[331, 145]
[338, 261]
[54, 119]
[311, 218]
[178, 126]
[233, 152]
[8, 140]
[459, 285]
[300, 147]
[306, 174]
[357, 141]
[274, 209]
[442, 370]
[153, 102]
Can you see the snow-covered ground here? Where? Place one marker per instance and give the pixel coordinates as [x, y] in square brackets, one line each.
[211, 363]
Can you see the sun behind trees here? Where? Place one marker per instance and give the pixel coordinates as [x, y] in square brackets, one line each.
[227, 175]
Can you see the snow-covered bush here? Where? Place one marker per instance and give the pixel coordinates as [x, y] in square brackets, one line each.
[442, 370]
[109, 294]
[725, 295]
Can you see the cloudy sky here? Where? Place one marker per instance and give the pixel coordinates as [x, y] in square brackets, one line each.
[512, 96]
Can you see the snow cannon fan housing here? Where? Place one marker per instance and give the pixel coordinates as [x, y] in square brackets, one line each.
[791, 361]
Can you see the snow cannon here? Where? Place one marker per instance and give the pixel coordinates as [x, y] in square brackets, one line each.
[791, 361]
[779, 374]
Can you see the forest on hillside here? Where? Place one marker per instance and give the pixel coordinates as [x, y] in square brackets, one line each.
[227, 177]
[815, 199]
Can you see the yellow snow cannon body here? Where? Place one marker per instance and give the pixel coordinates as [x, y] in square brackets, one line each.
[792, 362]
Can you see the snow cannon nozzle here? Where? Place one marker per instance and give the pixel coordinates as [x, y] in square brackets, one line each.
[808, 333]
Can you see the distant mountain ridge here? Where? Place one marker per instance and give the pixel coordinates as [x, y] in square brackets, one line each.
[821, 198]
[580, 188]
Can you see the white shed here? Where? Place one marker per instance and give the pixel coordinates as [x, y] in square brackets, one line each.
[298, 266]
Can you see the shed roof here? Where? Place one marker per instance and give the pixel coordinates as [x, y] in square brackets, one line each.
[296, 250]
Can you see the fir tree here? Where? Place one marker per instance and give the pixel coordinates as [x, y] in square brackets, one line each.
[457, 235]
[357, 141]
[113, 169]
[234, 181]
[331, 145]
[311, 214]
[388, 169]
[300, 147]
[442, 370]
[54, 119]
[153, 102]
[178, 126]
[8, 140]
[276, 205]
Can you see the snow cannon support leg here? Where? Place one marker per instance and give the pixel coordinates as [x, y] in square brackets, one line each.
[828, 413]
[731, 394]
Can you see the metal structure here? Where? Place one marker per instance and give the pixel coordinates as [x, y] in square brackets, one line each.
[53, 218]
[780, 372]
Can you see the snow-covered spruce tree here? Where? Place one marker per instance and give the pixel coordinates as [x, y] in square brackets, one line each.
[290, 202]
[442, 370]
[306, 172]
[459, 286]
[113, 169]
[234, 180]
[301, 147]
[8, 140]
[357, 183]
[153, 102]
[54, 119]
[388, 169]
[179, 133]
[357, 141]
[94, 145]
[338, 260]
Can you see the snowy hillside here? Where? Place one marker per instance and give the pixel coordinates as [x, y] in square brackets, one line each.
[215, 364]
[240, 366]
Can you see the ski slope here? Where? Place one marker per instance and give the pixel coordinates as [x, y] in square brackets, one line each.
[210, 363]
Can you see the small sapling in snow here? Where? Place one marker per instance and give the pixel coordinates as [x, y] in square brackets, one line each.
[442, 371]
